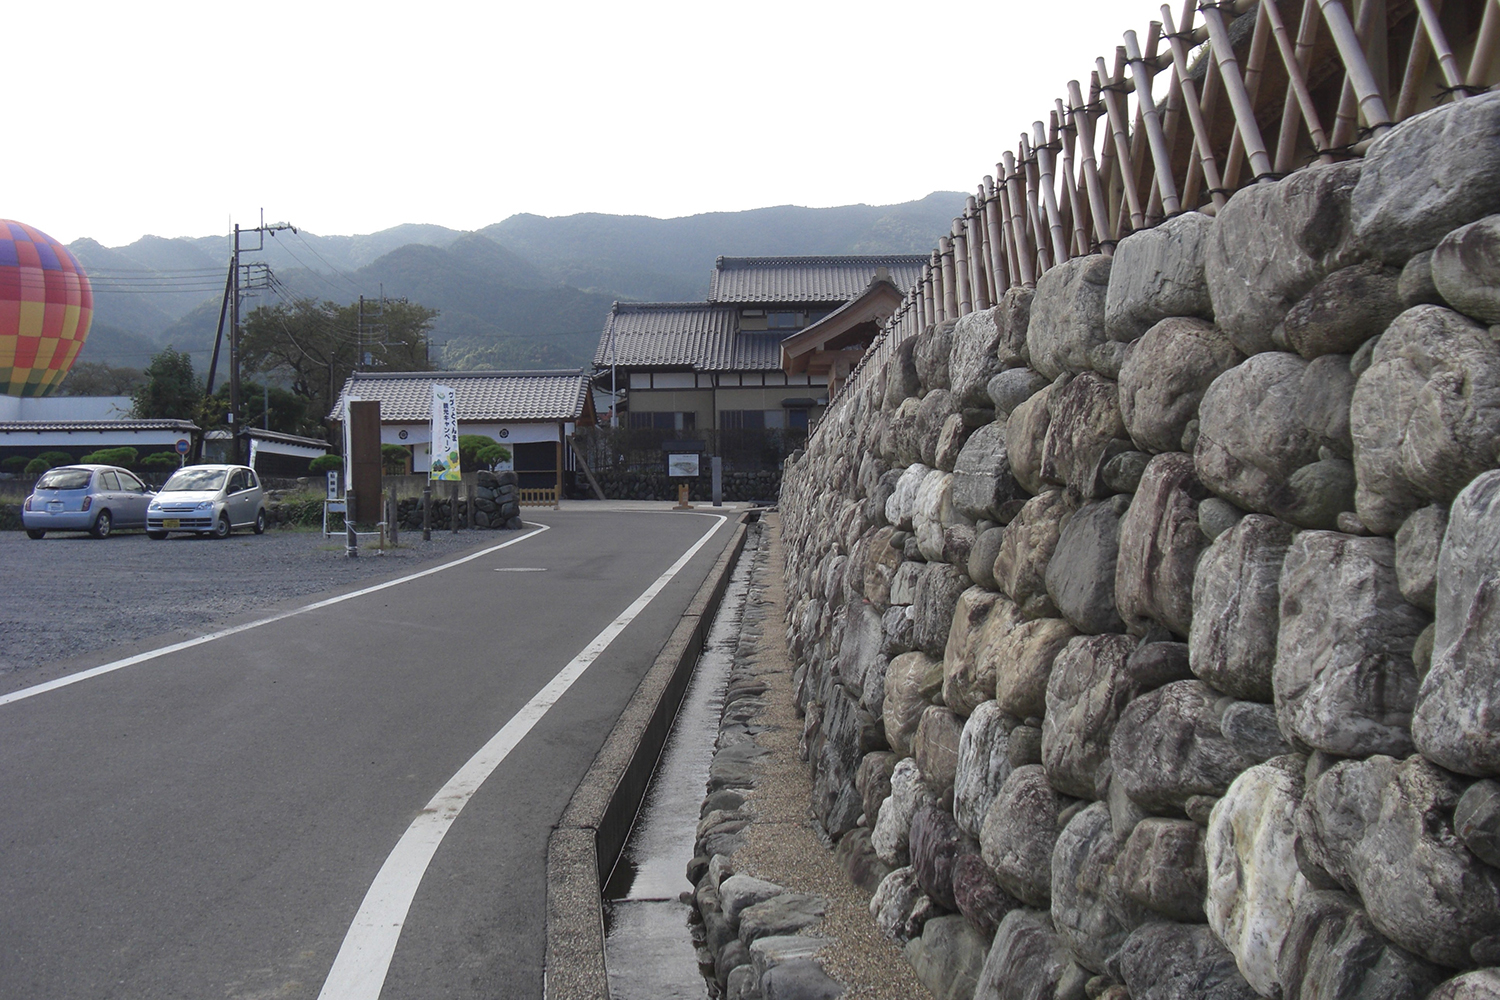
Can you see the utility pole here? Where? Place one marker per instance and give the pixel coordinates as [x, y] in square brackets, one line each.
[255, 280]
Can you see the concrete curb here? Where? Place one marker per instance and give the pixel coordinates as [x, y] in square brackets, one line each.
[588, 840]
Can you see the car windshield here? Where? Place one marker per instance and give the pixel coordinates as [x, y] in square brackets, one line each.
[64, 479]
[194, 480]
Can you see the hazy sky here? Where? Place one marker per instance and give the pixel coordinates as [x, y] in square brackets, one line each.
[177, 119]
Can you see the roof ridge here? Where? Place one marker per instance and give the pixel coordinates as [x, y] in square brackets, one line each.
[507, 373]
[910, 258]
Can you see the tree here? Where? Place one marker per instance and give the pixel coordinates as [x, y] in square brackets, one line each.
[315, 345]
[289, 412]
[94, 378]
[171, 390]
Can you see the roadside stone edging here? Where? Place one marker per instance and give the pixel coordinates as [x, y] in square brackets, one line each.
[587, 842]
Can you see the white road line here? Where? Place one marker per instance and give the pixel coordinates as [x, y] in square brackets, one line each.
[363, 960]
[131, 661]
[520, 569]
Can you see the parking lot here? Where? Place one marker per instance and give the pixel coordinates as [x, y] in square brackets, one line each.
[67, 594]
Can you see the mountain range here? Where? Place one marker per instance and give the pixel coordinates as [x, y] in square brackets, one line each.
[528, 292]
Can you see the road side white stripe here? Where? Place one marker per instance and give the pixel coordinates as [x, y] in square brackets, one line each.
[359, 971]
[131, 661]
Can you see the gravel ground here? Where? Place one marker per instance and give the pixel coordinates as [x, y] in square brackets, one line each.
[67, 595]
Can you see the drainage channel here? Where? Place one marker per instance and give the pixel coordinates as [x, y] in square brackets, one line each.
[649, 951]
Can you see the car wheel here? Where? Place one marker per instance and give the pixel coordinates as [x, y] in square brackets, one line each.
[157, 535]
[36, 532]
[102, 525]
[221, 526]
[260, 521]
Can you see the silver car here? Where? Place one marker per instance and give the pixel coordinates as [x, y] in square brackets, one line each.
[208, 500]
[93, 498]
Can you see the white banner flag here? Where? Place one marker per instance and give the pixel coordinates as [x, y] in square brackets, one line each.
[444, 434]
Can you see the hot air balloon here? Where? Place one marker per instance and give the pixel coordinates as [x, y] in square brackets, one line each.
[46, 306]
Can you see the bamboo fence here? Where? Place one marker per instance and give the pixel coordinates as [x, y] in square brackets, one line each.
[1223, 96]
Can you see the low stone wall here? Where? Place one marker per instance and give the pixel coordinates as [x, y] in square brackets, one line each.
[1146, 624]
[739, 487]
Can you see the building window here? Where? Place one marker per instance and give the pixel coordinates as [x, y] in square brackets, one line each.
[796, 419]
[664, 421]
[753, 420]
[783, 320]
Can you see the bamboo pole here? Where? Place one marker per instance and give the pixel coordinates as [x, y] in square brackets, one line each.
[999, 267]
[1255, 61]
[1417, 58]
[1202, 138]
[950, 289]
[929, 294]
[1013, 191]
[1069, 134]
[1159, 152]
[1213, 89]
[1007, 227]
[1098, 207]
[1172, 120]
[963, 288]
[1239, 100]
[923, 299]
[1121, 137]
[1447, 61]
[1298, 95]
[1037, 226]
[978, 274]
[1046, 180]
[1114, 188]
[1367, 92]
[1484, 48]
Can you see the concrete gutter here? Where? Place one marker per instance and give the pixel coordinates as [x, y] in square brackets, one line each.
[588, 841]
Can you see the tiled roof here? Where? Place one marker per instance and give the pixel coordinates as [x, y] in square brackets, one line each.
[807, 279]
[697, 335]
[93, 426]
[481, 396]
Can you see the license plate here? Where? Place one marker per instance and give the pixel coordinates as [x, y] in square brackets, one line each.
[54, 505]
[171, 522]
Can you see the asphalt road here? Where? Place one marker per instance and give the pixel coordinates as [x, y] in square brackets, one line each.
[207, 822]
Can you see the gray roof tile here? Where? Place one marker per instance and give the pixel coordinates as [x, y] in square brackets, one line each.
[481, 396]
[770, 280]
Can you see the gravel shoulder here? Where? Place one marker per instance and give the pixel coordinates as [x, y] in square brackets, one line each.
[68, 596]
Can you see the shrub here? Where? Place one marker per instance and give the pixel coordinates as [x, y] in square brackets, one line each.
[393, 459]
[36, 467]
[54, 459]
[15, 463]
[123, 456]
[469, 447]
[326, 463]
[301, 509]
[161, 460]
[491, 455]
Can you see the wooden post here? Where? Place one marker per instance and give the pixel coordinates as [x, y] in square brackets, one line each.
[393, 517]
[453, 508]
[1159, 152]
[427, 511]
[557, 495]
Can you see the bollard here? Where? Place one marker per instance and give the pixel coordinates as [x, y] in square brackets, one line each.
[351, 540]
[394, 517]
[427, 511]
[453, 511]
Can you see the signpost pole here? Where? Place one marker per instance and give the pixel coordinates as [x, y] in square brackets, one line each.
[351, 540]
[427, 511]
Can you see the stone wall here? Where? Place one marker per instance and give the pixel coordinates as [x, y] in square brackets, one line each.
[1150, 621]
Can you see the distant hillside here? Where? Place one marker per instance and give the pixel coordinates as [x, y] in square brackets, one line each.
[529, 292]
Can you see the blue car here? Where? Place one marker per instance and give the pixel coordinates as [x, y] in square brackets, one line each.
[93, 498]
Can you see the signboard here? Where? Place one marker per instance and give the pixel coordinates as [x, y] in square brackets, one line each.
[444, 447]
[183, 444]
[348, 442]
[682, 465]
[333, 484]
